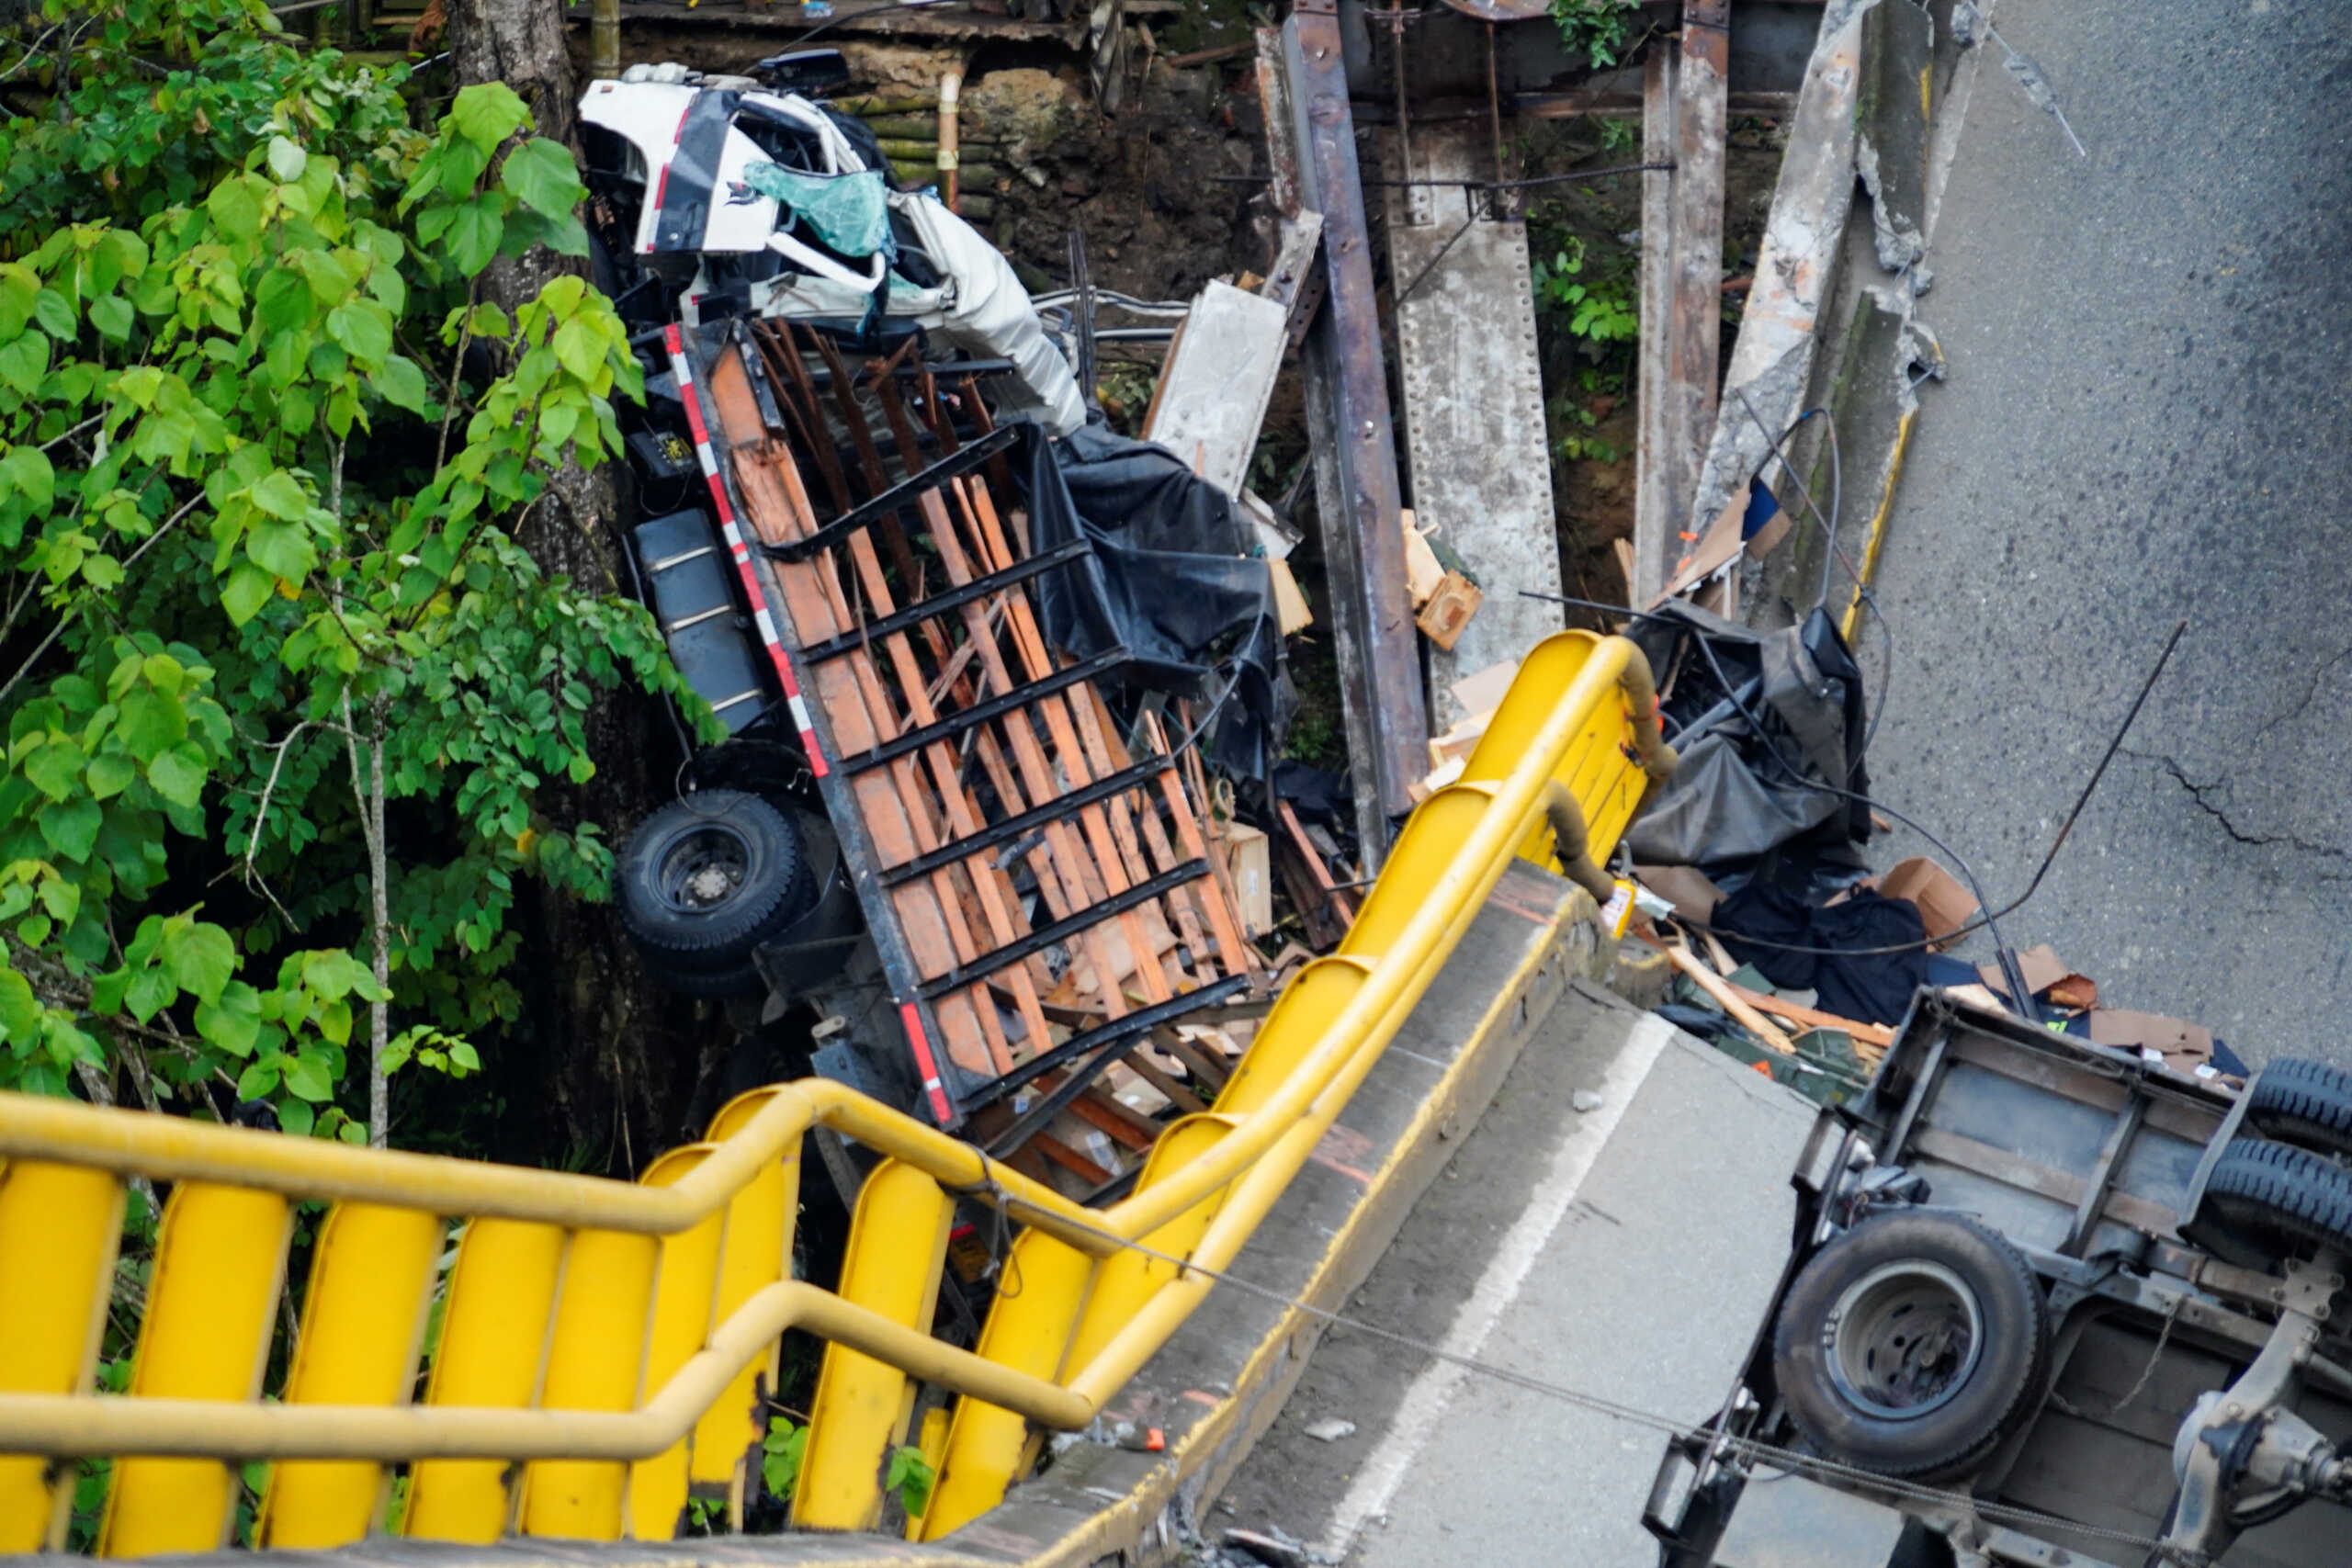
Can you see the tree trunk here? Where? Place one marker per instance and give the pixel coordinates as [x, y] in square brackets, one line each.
[619, 1051]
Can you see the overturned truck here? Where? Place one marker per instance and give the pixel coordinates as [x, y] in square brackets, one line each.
[953, 842]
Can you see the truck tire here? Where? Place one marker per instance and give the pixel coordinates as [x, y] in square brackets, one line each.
[2305, 1103]
[1913, 1346]
[2281, 1199]
[704, 880]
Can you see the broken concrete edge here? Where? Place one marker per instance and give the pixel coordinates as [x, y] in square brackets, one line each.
[1772, 360]
[1832, 320]
[1536, 937]
[1875, 351]
[1134, 1508]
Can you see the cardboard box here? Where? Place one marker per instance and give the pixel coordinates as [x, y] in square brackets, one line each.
[1447, 615]
[2183, 1045]
[1248, 861]
[2046, 974]
[1684, 886]
[1483, 691]
[1944, 905]
[1423, 574]
[1290, 603]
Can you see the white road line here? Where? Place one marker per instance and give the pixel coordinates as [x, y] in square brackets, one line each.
[1383, 1471]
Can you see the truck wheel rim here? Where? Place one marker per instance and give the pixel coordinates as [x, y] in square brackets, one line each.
[1904, 1338]
[703, 868]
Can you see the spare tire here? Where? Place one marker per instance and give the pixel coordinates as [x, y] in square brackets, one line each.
[707, 878]
[2305, 1103]
[1913, 1346]
[2280, 1199]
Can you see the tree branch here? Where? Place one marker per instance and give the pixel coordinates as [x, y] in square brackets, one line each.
[71, 615]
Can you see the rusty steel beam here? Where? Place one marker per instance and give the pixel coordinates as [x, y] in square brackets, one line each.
[1700, 87]
[1656, 518]
[1349, 428]
[1684, 110]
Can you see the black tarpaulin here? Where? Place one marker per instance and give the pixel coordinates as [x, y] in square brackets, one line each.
[1730, 798]
[1173, 579]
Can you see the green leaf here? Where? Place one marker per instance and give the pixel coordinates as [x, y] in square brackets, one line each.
[55, 316]
[475, 230]
[334, 974]
[259, 1080]
[911, 1477]
[465, 1056]
[163, 673]
[62, 899]
[283, 300]
[150, 724]
[110, 774]
[399, 382]
[541, 176]
[362, 328]
[287, 161]
[296, 1119]
[307, 1077]
[247, 589]
[70, 828]
[579, 348]
[55, 768]
[281, 552]
[488, 113]
[200, 957]
[233, 1021]
[20, 1015]
[175, 778]
[235, 208]
[150, 992]
[30, 476]
[113, 317]
[24, 361]
[281, 495]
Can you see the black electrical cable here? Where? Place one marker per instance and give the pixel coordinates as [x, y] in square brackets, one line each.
[1983, 922]
[2049, 856]
[2010, 972]
[1832, 552]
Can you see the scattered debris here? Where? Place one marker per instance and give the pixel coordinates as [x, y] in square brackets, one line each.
[1585, 1100]
[1329, 1430]
[1271, 1547]
[1943, 904]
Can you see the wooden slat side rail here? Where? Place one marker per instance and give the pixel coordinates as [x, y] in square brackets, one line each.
[913, 630]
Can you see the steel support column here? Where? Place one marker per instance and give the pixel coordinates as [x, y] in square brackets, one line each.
[1349, 427]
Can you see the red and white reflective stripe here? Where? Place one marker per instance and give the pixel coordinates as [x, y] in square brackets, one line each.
[675, 342]
[926, 1063]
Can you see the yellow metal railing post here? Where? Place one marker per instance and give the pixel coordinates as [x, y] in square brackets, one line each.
[592, 1325]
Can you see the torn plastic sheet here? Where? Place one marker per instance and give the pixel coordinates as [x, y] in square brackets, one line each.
[1173, 579]
[1730, 799]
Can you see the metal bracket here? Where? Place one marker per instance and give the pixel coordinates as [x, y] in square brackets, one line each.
[2308, 1290]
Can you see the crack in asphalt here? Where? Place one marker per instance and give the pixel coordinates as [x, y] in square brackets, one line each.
[2310, 694]
[2198, 793]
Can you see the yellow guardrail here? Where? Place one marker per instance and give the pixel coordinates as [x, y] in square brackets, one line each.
[601, 1349]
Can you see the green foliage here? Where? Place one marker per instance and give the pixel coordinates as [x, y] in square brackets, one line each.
[1600, 30]
[1599, 309]
[780, 1453]
[1619, 134]
[276, 659]
[911, 1477]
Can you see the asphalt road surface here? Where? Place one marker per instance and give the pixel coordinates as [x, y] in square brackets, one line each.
[2146, 420]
